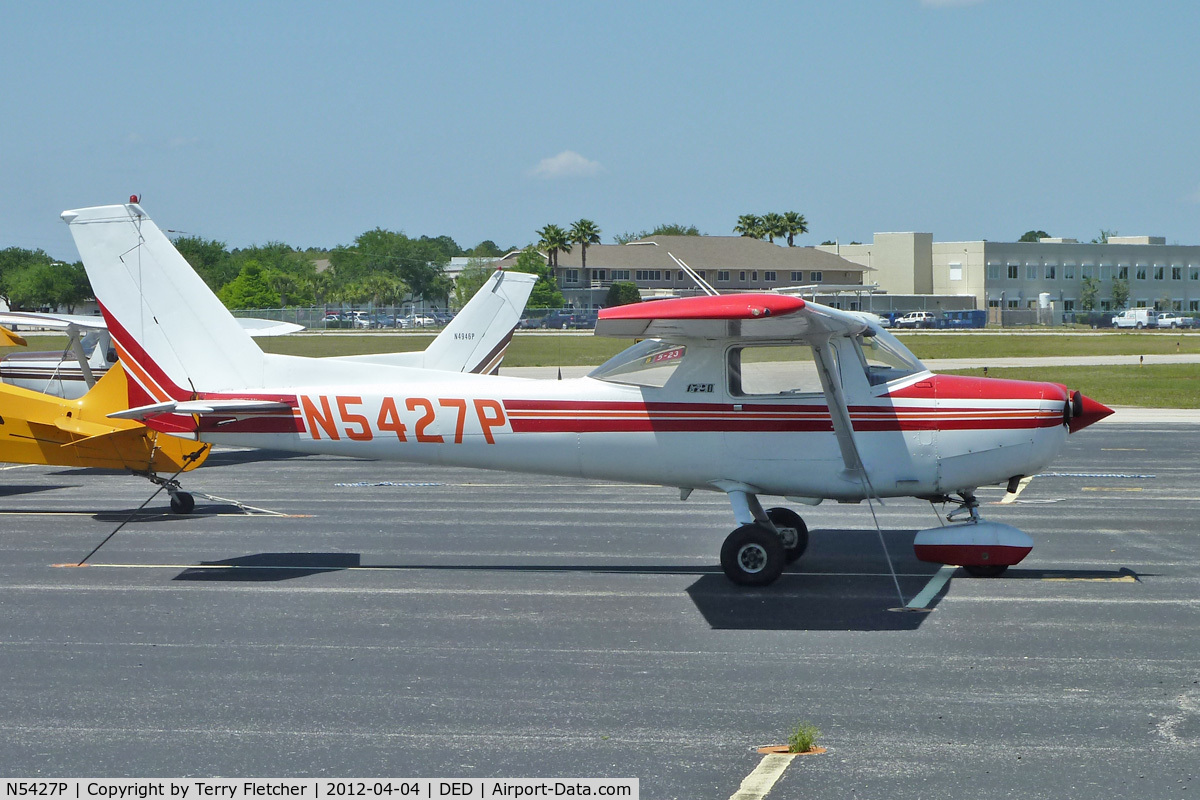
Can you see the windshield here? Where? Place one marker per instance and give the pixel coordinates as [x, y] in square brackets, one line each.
[648, 363]
[884, 358]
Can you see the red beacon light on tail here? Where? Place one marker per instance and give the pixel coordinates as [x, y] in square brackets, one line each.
[133, 198]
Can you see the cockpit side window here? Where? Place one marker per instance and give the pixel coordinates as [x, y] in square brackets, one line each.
[773, 370]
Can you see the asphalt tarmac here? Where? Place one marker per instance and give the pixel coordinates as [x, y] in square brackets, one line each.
[407, 621]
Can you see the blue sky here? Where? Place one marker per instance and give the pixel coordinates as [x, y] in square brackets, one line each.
[312, 122]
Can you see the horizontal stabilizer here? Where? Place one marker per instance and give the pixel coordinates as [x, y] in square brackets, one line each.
[224, 408]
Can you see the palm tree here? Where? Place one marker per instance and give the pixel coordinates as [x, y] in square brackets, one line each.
[553, 240]
[749, 225]
[793, 225]
[773, 226]
[583, 233]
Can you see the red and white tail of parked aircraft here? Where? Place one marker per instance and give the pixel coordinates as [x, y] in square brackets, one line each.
[752, 395]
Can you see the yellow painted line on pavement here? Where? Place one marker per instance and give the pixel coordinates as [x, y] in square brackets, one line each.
[1064, 578]
[759, 782]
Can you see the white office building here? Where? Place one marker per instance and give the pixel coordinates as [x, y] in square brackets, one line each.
[1015, 275]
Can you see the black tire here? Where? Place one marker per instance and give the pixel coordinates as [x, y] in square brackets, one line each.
[1139, 326]
[752, 556]
[986, 570]
[786, 518]
[182, 503]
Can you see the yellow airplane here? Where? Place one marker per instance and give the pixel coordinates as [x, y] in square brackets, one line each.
[37, 428]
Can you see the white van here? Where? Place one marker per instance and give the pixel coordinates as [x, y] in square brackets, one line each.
[1136, 318]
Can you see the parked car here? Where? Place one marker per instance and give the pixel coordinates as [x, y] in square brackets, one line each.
[917, 319]
[529, 323]
[558, 320]
[585, 320]
[1137, 318]
[1169, 319]
[419, 321]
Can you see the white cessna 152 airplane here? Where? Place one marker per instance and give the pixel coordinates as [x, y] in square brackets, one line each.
[751, 395]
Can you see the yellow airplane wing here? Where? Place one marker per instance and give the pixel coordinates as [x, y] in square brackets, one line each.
[10, 339]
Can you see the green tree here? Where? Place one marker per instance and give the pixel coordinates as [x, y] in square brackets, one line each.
[210, 258]
[794, 224]
[750, 225]
[249, 289]
[473, 276]
[14, 260]
[665, 229]
[1033, 236]
[773, 225]
[487, 249]
[53, 285]
[545, 292]
[319, 286]
[382, 289]
[583, 233]
[1120, 293]
[675, 229]
[419, 263]
[1103, 236]
[444, 245]
[554, 240]
[622, 293]
[1088, 293]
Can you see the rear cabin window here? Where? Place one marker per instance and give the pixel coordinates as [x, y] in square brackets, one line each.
[648, 363]
[774, 371]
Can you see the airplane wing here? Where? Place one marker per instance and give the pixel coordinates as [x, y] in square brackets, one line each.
[61, 322]
[10, 339]
[732, 316]
[478, 336]
[54, 322]
[753, 317]
[267, 327]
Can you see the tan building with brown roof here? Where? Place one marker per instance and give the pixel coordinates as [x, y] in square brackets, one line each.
[730, 264]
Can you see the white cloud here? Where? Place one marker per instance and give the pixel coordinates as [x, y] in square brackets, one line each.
[949, 3]
[567, 164]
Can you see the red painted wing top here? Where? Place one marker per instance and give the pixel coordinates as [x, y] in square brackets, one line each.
[728, 306]
[760, 316]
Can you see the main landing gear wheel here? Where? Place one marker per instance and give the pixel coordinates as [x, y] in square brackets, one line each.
[986, 570]
[182, 503]
[793, 533]
[753, 556]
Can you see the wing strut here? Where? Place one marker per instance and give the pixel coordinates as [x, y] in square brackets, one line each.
[843, 429]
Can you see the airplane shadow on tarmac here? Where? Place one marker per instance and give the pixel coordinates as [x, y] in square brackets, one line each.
[840, 584]
[12, 491]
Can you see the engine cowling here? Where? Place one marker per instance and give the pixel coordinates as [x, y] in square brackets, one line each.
[970, 544]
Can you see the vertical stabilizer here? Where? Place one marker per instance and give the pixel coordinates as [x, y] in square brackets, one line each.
[173, 335]
[477, 337]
